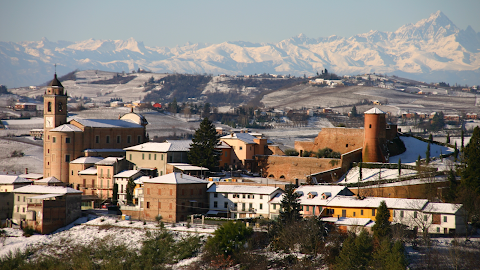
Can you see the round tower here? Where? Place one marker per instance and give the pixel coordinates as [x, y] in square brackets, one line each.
[374, 143]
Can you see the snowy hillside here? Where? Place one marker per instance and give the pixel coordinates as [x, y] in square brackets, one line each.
[432, 49]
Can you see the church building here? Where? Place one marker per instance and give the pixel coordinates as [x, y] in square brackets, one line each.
[66, 141]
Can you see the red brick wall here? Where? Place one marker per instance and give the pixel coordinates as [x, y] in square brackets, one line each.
[341, 140]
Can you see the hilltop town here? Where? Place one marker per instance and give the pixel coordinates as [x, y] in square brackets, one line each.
[302, 165]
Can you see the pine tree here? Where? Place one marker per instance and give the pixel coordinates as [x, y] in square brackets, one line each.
[290, 206]
[382, 228]
[427, 154]
[115, 194]
[356, 252]
[202, 150]
[448, 138]
[354, 113]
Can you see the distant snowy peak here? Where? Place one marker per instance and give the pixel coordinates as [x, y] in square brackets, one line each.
[109, 45]
[436, 26]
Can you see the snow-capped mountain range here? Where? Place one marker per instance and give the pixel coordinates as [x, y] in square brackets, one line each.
[432, 49]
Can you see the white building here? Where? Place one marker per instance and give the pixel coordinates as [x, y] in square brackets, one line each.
[445, 218]
[121, 179]
[241, 201]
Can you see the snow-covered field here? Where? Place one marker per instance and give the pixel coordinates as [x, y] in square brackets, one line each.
[88, 229]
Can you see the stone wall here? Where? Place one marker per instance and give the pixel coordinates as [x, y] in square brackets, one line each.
[341, 140]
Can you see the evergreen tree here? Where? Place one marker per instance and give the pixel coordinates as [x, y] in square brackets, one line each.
[228, 238]
[354, 113]
[471, 173]
[115, 194]
[381, 228]
[356, 252]
[290, 206]
[452, 191]
[202, 150]
[448, 138]
[463, 139]
[399, 167]
[427, 154]
[430, 137]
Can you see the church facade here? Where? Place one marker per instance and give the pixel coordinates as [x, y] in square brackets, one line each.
[66, 141]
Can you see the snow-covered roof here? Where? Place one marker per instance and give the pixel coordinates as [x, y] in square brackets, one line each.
[107, 123]
[46, 196]
[188, 167]
[88, 171]
[352, 221]
[318, 190]
[179, 145]
[86, 160]
[374, 111]
[46, 190]
[169, 146]
[244, 137]
[109, 161]
[242, 189]
[140, 180]
[223, 144]
[442, 208]
[126, 174]
[103, 150]
[175, 178]
[50, 179]
[277, 198]
[67, 128]
[31, 175]
[13, 179]
[374, 202]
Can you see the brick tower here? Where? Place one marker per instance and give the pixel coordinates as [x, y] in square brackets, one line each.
[54, 115]
[374, 144]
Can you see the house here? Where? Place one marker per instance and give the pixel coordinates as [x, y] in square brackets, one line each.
[122, 179]
[155, 156]
[10, 182]
[25, 107]
[174, 196]
[241, 201]
[313, 199]
[46, 208]
[444, 218]
[354, 207]
[189, 169]
[49, 181]
[244, 147]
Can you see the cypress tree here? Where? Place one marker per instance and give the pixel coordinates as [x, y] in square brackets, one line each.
[290, 206]
[427, 154]
[399, 166]
[202, 150]
[448, 138]
[382, 228]
[471, 173]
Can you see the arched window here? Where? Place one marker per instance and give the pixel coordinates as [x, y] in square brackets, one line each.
[49, 106]
[60, 106]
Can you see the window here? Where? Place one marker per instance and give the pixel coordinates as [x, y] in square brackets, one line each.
[67, 140]
[49, 106]
[72, 172]
[438, 229]
[253, 196]
[361, 212]
[148, 204]
[260, 206]
[354, 213]
[344, 213]
[67, 159]
[425, 217]
[370, 126]
[130, 156]
[226, 154]
[97, 139]
[121, 188]
[244, 196]
[241, 148]
[154, 156]
[24, 199]
[149, 156]
[139, 139]
[54, 139]
[415, 214]
[261, 197]
[274, 206]
[119, 139]
[243, 206]
[401, 214]
[307, 208]
[23, 209]
[101, 172]
[129, 139]
[60, 106]
[162, 156]
[143, 156]
[107, 140]
[225, 205]
[373, 212]
[445, 219]
[250, 206]
[215, 195]
[215, 204]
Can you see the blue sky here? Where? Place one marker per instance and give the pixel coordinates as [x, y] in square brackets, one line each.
[171, 23]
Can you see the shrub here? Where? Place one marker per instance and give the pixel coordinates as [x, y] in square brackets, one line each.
[228, 239]
[28, 231]
[291, 152]
[16, 153]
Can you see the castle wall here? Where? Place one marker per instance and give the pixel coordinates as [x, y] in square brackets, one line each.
[341, 140]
